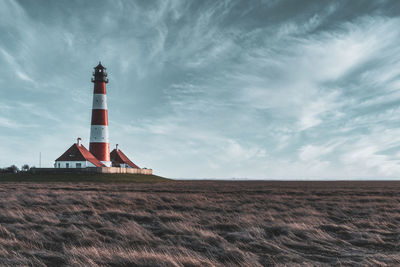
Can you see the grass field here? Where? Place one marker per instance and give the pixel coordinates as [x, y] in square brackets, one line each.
[200, 224]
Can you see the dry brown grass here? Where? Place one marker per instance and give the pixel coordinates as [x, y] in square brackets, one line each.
[200, 224]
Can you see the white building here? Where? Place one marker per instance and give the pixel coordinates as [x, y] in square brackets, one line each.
[77, 156]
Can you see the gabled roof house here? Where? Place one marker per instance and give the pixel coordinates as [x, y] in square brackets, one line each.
[119, 159]
[77, 156]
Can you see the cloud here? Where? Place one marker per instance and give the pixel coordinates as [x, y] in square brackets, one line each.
[15, 66]
[312, 113]
[263, 89]
[7, 123]
[368, 155]
[23, 76]
[312, 152]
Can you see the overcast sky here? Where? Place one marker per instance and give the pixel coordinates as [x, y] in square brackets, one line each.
[223, 89]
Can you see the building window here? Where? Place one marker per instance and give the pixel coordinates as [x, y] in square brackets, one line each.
[79, 165]
[59, 165]
[66, 165]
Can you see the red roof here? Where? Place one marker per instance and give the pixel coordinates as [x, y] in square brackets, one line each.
[79, 153]
[118, 158]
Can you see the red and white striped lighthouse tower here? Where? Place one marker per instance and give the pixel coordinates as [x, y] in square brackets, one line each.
[99, 140]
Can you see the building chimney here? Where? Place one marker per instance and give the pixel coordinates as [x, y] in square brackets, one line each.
[79, 141]
[116, 147]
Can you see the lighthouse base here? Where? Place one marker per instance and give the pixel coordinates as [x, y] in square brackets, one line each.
[107, 163]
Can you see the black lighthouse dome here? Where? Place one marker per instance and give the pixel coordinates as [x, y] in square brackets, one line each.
[100, 74]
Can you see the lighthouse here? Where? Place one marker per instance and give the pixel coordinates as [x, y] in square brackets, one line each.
[99, 139]
[98, 158]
